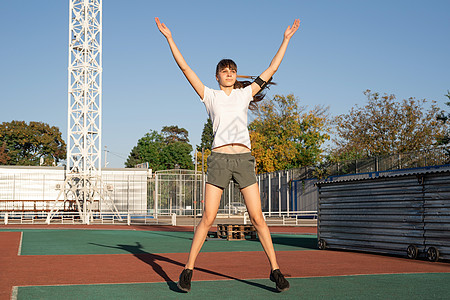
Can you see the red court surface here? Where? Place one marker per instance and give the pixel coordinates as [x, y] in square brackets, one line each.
[34, 270]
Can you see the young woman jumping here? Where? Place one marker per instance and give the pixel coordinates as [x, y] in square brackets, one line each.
[231, 155]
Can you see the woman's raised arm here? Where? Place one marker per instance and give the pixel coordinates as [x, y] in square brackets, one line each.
[276, 61]
[184, 67]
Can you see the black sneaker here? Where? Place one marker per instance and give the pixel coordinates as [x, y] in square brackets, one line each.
[278, 278]
[184, 283]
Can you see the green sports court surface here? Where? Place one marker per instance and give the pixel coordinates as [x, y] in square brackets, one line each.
[391, 286]
[83, 242]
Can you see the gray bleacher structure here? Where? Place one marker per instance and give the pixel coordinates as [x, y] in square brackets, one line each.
[406, 212]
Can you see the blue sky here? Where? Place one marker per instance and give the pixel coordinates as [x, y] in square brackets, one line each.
[341, 49]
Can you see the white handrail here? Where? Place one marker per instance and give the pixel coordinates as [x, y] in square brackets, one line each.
[142, 217]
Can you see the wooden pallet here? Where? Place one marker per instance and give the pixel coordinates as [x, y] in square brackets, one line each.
[236, 232]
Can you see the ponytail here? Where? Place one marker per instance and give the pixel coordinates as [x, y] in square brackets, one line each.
[259, 96]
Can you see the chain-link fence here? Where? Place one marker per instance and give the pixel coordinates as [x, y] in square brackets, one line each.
[181, 192]
[175, 191]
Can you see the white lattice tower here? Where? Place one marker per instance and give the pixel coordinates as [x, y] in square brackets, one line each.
[83, 186]
[85, 84]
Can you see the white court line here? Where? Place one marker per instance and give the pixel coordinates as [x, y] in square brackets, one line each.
[20, 244]
[14, 292]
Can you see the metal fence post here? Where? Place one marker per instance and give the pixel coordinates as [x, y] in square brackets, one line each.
[156, 199]
[174, 219]
[270, 196]
[43, 189]
[229, 198]
[279, 193]
[259, 184]
[195, 192]
[287, 192]
[128, 193]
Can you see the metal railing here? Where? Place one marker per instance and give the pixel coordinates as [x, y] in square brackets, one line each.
[123, 218]
[395, 161]
[288, 218]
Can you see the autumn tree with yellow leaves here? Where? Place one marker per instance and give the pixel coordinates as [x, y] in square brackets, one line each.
[284, 136]
[202, 158]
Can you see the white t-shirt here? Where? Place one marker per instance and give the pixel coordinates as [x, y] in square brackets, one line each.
[228, 115]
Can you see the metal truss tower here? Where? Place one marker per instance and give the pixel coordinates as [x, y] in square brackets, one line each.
[83, 185]
[85, 84]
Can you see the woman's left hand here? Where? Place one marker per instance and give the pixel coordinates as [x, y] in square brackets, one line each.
[292, 29]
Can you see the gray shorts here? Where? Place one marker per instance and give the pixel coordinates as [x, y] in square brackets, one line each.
[223, 167]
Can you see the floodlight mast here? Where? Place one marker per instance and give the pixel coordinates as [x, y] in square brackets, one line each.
[83, 185]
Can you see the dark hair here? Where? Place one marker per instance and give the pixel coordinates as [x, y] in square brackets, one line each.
[228, 63]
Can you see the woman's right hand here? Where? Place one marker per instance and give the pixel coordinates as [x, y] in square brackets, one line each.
[163, 28]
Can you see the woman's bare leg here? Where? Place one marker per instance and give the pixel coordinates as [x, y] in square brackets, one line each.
[253, 203]
[212, 202]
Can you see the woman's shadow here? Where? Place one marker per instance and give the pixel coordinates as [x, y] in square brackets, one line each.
[152, 259]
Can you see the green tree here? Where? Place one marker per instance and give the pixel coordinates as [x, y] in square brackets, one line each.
[206, 145]
[283, 136]
[177, 155]
[174, 134]
[384, 126]
[162, 151]
[26, 144]
[148, 149]
[207, 136]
